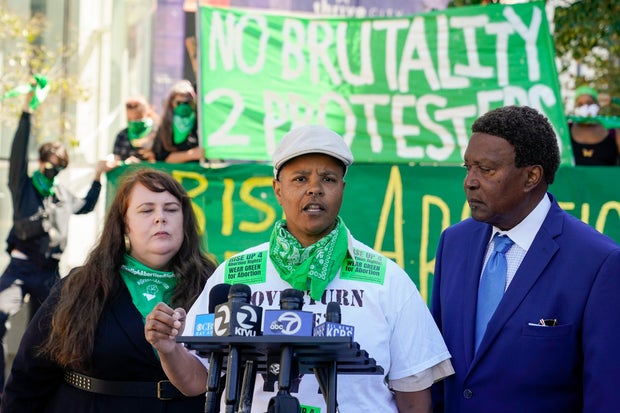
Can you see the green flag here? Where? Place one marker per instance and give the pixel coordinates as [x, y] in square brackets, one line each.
[41, 89]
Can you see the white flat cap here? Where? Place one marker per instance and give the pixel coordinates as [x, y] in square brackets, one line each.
[310, 139]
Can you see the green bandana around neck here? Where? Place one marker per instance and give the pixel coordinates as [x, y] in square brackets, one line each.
[137, 129]
[146, 286]
[183, 123]
[313, 267]
[43, 184]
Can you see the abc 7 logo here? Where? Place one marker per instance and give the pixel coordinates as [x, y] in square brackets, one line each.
[289, 323]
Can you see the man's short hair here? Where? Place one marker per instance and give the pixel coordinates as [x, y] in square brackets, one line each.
[528, 131]
[54, 148]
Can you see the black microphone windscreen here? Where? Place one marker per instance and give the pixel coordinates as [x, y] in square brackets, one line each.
[218, 295]
[332, 314]
[240, 293]
[291, 299]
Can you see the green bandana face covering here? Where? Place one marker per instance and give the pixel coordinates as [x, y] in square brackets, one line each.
[43, 184]
[312, 267]
[146, 286]
[183, 122]
[137, 129]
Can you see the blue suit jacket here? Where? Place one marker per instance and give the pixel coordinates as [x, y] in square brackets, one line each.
[571, 273]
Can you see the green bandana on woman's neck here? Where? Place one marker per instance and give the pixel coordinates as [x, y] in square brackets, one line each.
[137, 129]
[146, 286]
[43, 184]
[313, 267]
[183, 123]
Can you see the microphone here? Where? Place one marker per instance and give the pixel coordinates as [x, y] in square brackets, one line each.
[204, 322]
[238, 317]
[332, 327]
[289, 320]
[217, 296]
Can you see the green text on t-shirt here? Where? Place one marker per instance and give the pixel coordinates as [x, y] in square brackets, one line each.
[368, 267]
[246, 268]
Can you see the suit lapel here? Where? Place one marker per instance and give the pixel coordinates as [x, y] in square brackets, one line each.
[535, 261]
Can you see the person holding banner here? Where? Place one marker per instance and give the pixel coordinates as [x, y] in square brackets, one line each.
[525, 294]
[593, 143]
[313, 251]
[177, 136]
[85, 349]
[41, 211]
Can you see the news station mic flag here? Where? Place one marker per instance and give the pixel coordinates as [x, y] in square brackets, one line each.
[238, 317]
[204, 322]
[332, 326]
[289, 320]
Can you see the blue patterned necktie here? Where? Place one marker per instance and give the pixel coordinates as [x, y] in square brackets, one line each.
[492, 284]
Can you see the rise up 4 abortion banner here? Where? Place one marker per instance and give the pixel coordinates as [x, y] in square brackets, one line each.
[399, 89]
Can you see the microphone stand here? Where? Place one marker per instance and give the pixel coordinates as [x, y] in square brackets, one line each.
[283, 402]
[212, 403]
[247, 387]
[232, 379]
[326, 376]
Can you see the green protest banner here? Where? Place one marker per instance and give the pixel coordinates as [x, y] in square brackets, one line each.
[400, 90]
[399, 210]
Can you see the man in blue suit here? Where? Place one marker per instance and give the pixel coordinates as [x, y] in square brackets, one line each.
[552, 343]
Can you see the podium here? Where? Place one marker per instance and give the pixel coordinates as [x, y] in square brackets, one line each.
[325, 357]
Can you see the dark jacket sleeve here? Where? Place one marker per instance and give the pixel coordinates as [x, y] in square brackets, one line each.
[18, 166]
[33, 379]
[91, 198]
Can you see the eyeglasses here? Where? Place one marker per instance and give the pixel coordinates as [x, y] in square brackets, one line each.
[132, 105]
[50, 166]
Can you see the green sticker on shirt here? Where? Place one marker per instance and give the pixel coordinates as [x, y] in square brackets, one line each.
[309, 409]
[246, 268]
[368, 267]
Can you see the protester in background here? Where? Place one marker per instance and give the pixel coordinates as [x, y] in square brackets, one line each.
[135, 142]
[41, 212]
[177, 137]
[85, 349]
[551, 334]
[593, 143]
[313, 251]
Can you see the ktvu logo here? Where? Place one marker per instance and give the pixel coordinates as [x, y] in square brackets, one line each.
[246, 319]
[288, 323]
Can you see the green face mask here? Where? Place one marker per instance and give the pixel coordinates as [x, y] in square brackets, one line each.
[183, 122]
[43, 184]
[137, 129]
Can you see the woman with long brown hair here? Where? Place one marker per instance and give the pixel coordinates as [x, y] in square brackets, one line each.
[85, 350]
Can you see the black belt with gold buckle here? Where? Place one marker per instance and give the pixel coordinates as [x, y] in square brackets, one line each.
[162, 390]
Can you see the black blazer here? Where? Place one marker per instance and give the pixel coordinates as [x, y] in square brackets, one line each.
[121, 353]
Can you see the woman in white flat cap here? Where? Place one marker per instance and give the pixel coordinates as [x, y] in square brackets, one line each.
[313, 251]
